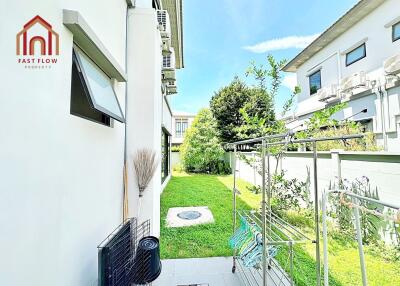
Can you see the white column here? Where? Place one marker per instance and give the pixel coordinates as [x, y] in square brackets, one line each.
[144, 114]
[336, 165]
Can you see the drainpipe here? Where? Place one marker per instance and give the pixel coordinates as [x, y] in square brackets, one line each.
[385, 99]
[380, 94]
[125, 211]
[339, 67]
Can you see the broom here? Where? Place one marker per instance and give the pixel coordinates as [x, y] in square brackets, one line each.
[145, 165]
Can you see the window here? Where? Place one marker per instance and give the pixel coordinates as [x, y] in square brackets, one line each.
[184, 126]
[80, 104]
[315, 82]
[166, 61]
[92, 94]
[356, 55]
[396, 32]
[178, 128]
[181, 124]
[165, 155]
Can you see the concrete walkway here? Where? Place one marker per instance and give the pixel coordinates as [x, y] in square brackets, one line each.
[211, 271]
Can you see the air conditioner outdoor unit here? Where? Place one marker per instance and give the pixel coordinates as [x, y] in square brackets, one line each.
[169, 60]
[166, 45]
[328, 93]
[171, 83]
[171, 89]
[163, 21]
[353, 81]
[392, 65]
[168, 76]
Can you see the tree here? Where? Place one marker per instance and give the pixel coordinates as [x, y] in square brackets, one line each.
[225, 106]
[259, 111]
[242, 111]
[201, 150]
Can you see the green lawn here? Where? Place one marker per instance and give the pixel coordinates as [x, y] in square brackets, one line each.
[203, 240]
[212, 239]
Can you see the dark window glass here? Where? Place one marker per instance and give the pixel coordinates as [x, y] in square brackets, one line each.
[165, 155]
[81, 104]
[98, 86]
[184, 126]
[315, 82]
[396, 32]
[178, 129]
[356, 55]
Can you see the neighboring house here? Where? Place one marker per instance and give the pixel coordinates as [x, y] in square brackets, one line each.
[181, 121]
[356, 60]
[85, 85]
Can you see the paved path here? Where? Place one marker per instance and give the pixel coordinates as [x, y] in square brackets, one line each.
[211, 271]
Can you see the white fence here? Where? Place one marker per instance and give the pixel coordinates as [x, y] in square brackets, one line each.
[175, 159]
[382, 168]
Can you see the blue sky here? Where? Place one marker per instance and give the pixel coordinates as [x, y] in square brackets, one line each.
[221, 38]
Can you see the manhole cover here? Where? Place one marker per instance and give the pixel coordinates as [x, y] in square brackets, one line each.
[189, 215]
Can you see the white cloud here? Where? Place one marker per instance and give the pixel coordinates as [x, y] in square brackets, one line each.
[298, 42]
[290, 81]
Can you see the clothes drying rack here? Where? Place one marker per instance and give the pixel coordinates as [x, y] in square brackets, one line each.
[276, 231]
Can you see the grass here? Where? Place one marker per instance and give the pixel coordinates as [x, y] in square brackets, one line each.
[203, 240]
[212, 239]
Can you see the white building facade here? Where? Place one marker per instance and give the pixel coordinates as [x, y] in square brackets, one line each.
[181, 121]
[356, 60]
[85, 84]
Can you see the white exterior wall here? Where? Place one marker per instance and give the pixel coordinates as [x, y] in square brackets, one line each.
[379, 47]
[166, 115]
[61, 175]
[145, 106]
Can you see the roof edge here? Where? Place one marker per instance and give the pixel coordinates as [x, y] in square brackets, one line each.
[322, 40]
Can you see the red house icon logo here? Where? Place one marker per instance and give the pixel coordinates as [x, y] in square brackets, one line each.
[48, 39]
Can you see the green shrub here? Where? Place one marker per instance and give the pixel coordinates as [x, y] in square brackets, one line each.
[321, 124]
[177, 168]
[176, 148]
[371, 224]
[289, 194]
[201, 150]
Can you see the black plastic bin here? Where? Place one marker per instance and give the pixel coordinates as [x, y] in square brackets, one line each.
[147, 264]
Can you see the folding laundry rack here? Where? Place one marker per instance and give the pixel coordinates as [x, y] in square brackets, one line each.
[275, 231]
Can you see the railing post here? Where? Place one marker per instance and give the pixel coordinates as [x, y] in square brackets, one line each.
[325, 237]
[263, 206]
[316, 215]
[360, 244]
[234, 204]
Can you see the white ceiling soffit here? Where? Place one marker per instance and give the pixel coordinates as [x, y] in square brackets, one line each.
[174, 8]
[87, 40]
[349, 19]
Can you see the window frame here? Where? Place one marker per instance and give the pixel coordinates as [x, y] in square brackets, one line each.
[178, 128]
[86, 84]
[181, 122]
[320, 81]
[184, 126]
[394, 39]
[105, 120]
[363, 56]
[165, 154]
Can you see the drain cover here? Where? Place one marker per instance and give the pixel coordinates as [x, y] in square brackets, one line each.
[189, 215]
